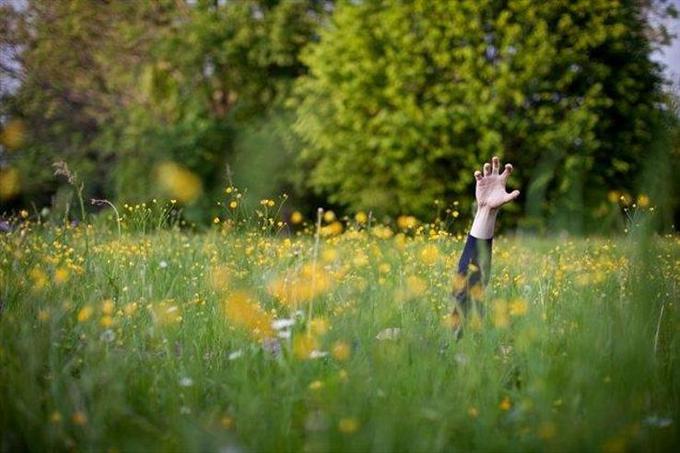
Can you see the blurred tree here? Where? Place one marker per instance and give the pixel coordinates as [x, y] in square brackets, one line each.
[214, 67]
[405, 98]
[57, 58]
[117, 87]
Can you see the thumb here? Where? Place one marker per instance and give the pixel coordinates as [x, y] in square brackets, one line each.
[511, 196]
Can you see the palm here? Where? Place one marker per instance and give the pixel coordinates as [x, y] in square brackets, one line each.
[490, 190]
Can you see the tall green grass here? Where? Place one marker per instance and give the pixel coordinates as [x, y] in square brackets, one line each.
[128, 345]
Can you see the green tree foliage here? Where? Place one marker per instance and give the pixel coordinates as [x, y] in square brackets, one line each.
[213, 67]
[396, 102]
[405, 98]
[60, 56]
[116, 87]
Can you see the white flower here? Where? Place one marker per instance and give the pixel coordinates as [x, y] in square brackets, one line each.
[186, 382]
[107, 336]
[317, 354]
[163, 264]
[285, 334]
[391, 333]
[279, 324]
[235, 355]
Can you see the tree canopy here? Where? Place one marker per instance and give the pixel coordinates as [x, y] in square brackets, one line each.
[403, 99]
[374, 105]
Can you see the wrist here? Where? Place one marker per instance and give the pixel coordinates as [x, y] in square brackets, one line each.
[485, 210]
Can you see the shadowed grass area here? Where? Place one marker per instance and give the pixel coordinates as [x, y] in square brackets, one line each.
[235, 338]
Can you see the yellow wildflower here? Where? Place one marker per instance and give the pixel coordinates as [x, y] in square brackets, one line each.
[108, 307]
[329, 216]
[178, 181]
[643, 200]
[333, 229]
[296, 218]
[340, 351]
[61, 276]
[85, 313]
[429, 254]
[518, 307]
[406, 222]
[382, 232]
[38, 277]
[13, 134]
[10, 183]
[348, 425]
[242, 310]
[300, 286]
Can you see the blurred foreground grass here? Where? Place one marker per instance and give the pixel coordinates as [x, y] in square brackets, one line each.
[241, 340]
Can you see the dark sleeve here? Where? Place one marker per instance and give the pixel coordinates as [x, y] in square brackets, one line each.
[473, 269]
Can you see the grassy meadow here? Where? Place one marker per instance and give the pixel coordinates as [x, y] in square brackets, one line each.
[257, 336]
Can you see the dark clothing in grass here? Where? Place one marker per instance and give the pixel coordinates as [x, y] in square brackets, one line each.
[473, 269]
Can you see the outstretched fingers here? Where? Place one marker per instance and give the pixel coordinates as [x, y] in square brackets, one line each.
[493, 168]
[487, 169]
[511, 196]
[507, 172]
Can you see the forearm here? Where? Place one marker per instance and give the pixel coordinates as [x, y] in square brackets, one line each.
[484, 223]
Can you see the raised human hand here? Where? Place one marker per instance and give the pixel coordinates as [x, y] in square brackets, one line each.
[490, 191]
